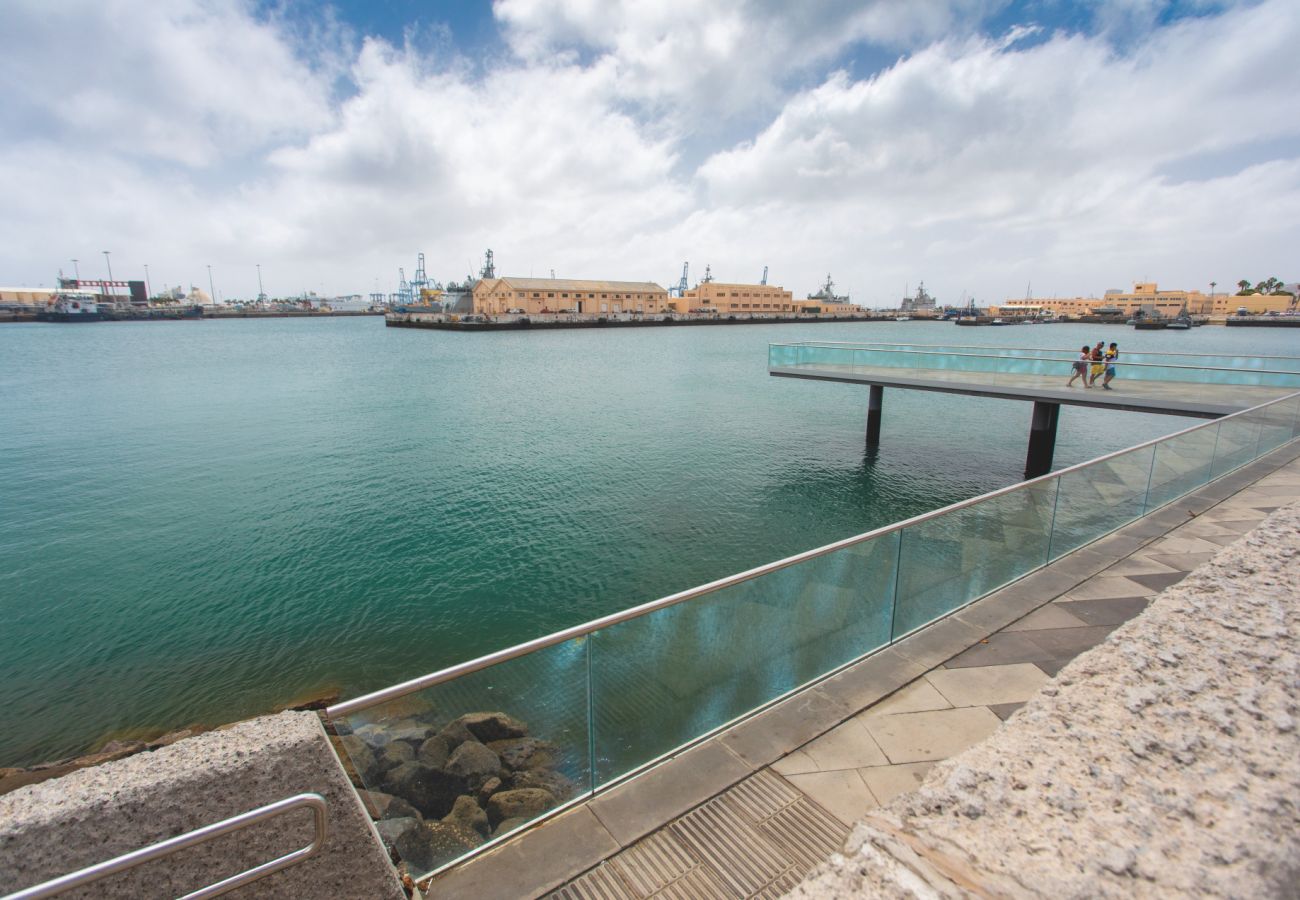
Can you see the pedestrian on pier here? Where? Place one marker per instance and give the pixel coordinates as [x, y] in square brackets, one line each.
[1080, 367]
[1098, 363]
[1112, 354]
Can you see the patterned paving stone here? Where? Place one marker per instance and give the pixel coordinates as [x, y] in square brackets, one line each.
[1108, 586]
[917, 696]
[988, 684]
[1050, 616]
[1158, 581]
[887, 782]
[1000, 649]
[1071, 642]
[1004, 710]
[1105, 612]
[846, 746]
[1183, 562]
[842, 793]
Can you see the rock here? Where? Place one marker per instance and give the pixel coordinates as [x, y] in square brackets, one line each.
[410, 730]
[375, 735]
[124, 748]
[391, 830]
[509, 825]
[488, 788]
[357, 758]
[473, 762]
[434, 843]
[465, 811]
[392, 755]
[525, 753]
[431, 791]
[385, 806]
[547, 780]
[171, 737]
[492, 726]
[524, 803]
[434, 751]
[455, 734]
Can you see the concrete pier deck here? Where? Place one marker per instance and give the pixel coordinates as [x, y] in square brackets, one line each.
[749, 812]
[1208, 401]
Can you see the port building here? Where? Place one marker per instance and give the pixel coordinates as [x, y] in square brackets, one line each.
[499, 296]
[1150, 298]
[730, 299]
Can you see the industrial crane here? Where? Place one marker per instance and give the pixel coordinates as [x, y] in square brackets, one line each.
[681, 285]
[764, 281]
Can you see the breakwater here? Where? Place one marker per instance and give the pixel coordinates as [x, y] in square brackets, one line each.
[534, 323]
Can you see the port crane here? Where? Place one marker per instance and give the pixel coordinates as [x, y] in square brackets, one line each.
[764, 281]
[682, 285]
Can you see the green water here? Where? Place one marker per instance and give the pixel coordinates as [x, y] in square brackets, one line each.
[202, 520]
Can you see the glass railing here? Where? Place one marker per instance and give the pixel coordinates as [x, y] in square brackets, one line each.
[1214, 361]
[1001, 365]
[471, 753]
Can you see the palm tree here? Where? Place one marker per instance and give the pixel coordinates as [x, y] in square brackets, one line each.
[1243, 285]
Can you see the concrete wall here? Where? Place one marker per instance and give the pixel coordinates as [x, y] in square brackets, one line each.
[1164, 762]
[92, 815]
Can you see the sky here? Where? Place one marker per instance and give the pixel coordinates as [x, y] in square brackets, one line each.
[993, 149]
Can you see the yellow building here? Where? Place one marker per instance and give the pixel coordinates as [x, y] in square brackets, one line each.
[1149, 297]
[499, 296]
[27, 296]
[733, 299]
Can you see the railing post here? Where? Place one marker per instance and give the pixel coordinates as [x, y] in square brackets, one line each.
[1042, 439]
[874, 404]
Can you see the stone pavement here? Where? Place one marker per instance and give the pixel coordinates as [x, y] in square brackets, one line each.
[748, 813]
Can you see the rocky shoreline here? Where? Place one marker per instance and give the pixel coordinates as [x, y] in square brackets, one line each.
[438, 790]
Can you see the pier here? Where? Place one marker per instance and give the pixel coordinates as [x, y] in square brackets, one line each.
[1166, 384]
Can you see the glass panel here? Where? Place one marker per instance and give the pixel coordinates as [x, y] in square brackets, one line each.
[475, 757]
[1096, 500]
[948, 561]
[1238, 437]
[779, 355]
[1182, 464]
[668, 677]
[1275, 422]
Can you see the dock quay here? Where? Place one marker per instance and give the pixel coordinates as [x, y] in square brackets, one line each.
[664, 749]
[441, 322]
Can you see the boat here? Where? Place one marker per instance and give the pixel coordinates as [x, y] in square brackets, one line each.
[902, 318]
[1150, 324]
[71, 306]
[1182, 323]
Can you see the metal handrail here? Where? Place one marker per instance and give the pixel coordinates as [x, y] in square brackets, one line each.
[356, 704]
[867, 344]
[83, 877]
[1126, 364]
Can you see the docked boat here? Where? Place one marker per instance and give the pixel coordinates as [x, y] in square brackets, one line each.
[71, 306]
[902, 318]
[1151, 324]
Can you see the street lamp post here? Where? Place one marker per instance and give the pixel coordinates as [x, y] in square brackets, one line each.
[76, 270]
[213, 291]
[148, 293]
[261, 292]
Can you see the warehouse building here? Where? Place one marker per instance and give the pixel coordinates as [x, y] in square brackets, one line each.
[531, 296]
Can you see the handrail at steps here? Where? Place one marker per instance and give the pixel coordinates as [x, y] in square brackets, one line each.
[83, 877]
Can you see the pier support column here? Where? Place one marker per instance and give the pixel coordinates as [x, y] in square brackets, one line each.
[1042, 439]
[873, 415]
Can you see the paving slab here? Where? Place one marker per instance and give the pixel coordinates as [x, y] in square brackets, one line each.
[847, 746]
[918, 695]
[1108, 586]
[986, 685]
[843, 792]
[939, 641]
[877, 676]
[791, 723]
[1000, 649]
[887, 782]
[1003, 710]
[1158, 581]
[929, 736]
[1183, 562]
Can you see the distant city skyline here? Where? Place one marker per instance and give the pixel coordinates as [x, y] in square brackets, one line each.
[978, 146]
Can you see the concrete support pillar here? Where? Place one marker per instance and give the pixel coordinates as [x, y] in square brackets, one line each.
[873, 415]
[1042, 439]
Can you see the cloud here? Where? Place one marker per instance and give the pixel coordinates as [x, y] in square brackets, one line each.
[211, 134]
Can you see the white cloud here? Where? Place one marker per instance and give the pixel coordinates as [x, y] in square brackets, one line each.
[207, 135]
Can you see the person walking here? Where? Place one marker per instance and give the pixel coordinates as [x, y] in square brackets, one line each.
[1112, 354]
[1080, 367]
[1098, 365]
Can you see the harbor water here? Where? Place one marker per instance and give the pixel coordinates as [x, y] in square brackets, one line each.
[201, 521]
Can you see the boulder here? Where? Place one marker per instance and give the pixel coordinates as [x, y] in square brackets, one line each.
[373, 734]
[488, 788]
[385, 806]
[410, 730]
[391, 830]
[357, 758]
[525, 753]
[547, 780]
[425, 848]
[466, 811]
[492, 726]
[473, 762]
[392, 755]
[508, 825]
[434, 752]
[455, 734]
[431, 791]
[525, 803]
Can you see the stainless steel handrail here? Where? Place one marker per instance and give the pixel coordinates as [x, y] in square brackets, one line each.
[392, 692]
[866, 344]
[83, 877]
[1050, 359]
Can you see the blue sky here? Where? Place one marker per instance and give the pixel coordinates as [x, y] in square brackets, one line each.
[975, 145]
